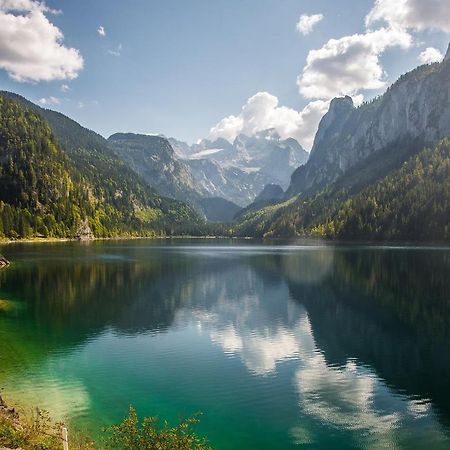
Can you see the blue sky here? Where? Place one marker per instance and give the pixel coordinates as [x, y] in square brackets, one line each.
[178, 67]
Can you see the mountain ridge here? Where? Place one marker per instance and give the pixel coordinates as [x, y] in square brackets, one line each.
[113, 198]
[414, 108]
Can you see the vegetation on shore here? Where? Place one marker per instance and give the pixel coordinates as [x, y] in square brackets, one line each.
[37, 431]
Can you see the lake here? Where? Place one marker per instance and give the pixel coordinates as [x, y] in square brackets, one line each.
[279, 346]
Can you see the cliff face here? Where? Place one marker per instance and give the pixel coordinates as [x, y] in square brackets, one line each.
[153, 158]
[416, 109]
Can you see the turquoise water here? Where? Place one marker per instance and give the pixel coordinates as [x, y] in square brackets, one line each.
[280, 346]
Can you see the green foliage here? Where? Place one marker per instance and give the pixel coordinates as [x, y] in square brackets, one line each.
[48, 189]
[410, 203]
[413, 203]
[132, 434]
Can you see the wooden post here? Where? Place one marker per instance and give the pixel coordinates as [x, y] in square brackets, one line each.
[65, 438]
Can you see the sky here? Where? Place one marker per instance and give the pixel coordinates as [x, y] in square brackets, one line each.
[192, 69]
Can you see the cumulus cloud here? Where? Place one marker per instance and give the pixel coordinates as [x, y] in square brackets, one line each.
[65, 88]
[415, 15]
[262, 111]
[49, 101]
[347, 65]
[430, 55]
[101, 31]
[31, 47]
[307, 23]
[351, 64]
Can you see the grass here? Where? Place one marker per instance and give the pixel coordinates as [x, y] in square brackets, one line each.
[35, 431]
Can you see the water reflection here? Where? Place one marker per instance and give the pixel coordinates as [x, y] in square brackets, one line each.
[357, 337]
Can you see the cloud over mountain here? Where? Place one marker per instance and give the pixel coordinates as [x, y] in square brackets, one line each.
[262, 111]
[347, 65]
[430, 55]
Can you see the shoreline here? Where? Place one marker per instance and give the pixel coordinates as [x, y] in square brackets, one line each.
[118, 238]
[291, 240]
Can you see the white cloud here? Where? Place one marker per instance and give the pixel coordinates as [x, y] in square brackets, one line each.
[101, 31]
[351, 64]
[430, 55]
[262, 111]
[49, 101]
[416, 15]
[31, 47]
[306, 23]
[347, 65]
[65, 88]
[80, 105]
[117, 51]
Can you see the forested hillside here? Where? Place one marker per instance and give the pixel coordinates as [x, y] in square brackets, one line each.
[50, 185]
[411, 203]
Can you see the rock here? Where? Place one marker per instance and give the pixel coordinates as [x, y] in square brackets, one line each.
[3, 263]
[414, 112]
[270, 193]
[447, 55]
[84, 232]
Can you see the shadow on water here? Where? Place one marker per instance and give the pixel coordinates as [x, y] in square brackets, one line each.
[389, 310]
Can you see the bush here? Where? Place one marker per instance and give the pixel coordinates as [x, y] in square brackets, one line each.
[131, 434]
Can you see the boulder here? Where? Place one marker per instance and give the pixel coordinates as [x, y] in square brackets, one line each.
[3, 262]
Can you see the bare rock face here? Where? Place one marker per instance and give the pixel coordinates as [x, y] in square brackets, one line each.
[415, 110]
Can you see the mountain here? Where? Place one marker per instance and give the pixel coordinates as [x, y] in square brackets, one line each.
[239, 171]
[219, 210]
[271, 194]
[414, 112]
[153, 158]
[365, 175]
[410, 203]
[55, 173]
[228, 182]
[210, 170]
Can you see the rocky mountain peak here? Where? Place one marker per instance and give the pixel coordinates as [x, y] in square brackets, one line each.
[339, 103]
[332, 122]
[414, 111]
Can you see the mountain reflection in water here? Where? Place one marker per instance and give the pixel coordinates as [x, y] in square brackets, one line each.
[317, 345]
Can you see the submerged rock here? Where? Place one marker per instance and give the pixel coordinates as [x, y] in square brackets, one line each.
[3, 261]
